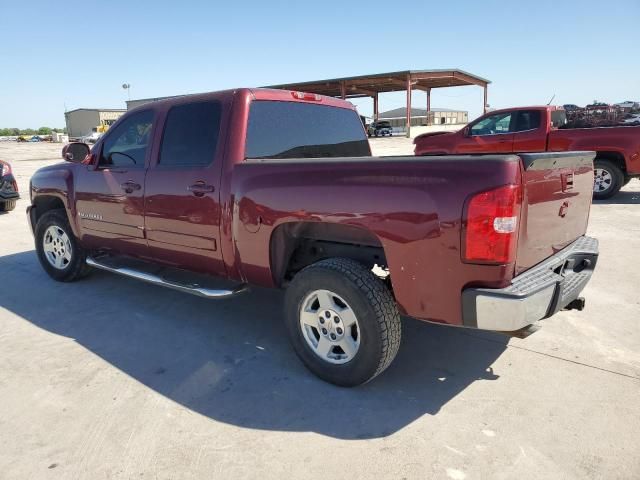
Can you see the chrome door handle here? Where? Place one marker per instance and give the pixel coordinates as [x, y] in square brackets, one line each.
[130, 187]
[199, 189]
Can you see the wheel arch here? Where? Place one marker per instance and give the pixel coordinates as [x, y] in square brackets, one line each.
[45, 203]
[295, 245]
[617, 158]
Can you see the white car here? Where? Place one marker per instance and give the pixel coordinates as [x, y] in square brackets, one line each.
[634, 120]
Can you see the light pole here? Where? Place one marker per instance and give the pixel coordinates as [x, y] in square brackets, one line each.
[127, 87]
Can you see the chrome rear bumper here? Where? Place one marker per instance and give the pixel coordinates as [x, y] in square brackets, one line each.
[536, 294]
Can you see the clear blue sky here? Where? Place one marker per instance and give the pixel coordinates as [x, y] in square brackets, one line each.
[78, 53]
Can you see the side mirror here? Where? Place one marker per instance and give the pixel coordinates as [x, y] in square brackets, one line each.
[75, 152]
[466, 131]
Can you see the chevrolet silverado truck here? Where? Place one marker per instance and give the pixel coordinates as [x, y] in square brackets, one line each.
[212, 193]
[540, 129]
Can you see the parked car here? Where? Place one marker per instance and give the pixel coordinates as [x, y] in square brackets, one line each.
[633, 119]
[278, 189]
[380, 129]
[540, 129]
[8, 188]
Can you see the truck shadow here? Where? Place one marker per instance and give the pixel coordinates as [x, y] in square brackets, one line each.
[623, 197]
[231, 360]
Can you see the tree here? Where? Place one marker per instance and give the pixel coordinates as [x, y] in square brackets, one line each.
[44, 131]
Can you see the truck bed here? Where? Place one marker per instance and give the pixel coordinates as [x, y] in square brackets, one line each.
[415, 207]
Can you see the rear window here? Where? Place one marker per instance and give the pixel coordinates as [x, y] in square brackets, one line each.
[558, 118]
[303, 130]
[528, 120]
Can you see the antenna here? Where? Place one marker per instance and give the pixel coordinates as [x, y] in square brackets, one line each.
[554, 96]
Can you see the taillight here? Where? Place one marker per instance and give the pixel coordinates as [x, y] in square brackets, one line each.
[491, 230]
[313, 97]
[6, 169]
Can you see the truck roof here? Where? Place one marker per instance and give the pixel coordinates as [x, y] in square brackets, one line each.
[530, 107]
[260, 94]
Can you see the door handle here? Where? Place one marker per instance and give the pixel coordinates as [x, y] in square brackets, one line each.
[130, 186]
[200, 188]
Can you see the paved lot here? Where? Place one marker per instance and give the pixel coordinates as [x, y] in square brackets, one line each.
[111, 378]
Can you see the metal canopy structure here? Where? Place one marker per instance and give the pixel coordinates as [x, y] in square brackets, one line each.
[407, 80]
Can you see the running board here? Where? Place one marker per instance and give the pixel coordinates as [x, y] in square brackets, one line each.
[193, 289]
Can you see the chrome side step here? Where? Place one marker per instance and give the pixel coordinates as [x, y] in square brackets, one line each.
[193, 289]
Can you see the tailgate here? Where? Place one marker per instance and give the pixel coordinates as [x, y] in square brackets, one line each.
[557, 197]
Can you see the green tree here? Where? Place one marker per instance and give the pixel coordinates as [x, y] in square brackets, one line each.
[44, 131]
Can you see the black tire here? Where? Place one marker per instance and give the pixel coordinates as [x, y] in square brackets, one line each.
[76, 267]
[7, 205]
[616, 179]
[379, 326]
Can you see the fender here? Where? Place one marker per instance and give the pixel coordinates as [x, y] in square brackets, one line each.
[55, 181]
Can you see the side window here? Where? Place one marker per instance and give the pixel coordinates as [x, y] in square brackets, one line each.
[528, 120]
[126, 146]
[191, 134]
[492, 125]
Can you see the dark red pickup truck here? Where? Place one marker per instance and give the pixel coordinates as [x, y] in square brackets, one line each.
[541, 129]
[208, 194]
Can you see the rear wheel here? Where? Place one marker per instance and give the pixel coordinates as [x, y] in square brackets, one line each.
[342, 321]
[7, 205]
[58, 250]
[608, 179]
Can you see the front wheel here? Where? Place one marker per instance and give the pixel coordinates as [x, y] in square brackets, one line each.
[343, 321]
[608, 179]
[58, 250]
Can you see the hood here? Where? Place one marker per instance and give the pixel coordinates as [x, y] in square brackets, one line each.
[432, 134]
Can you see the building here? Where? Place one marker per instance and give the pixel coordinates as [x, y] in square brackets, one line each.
[83, 121]
[420, 117]
[628, 106]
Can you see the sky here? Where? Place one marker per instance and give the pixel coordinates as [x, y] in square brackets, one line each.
[74, 54]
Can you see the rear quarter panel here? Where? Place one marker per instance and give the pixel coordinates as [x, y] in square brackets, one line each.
[412, 205]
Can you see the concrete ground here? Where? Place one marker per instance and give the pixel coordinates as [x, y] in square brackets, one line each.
[111, 378]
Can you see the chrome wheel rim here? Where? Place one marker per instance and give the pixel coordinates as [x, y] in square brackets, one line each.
[330, 327]
[602, 180]
[57, 247]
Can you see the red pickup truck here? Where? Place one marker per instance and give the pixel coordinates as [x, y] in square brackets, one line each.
[540, 129]
[209, 194]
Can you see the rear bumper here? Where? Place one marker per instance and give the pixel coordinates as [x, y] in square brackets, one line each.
[536, 294]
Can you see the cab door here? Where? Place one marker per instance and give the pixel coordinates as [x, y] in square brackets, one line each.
[530, 135]
[182, 188]
[489, 134]
[110, 193]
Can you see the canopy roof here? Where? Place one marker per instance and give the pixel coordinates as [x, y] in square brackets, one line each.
[370, 85]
